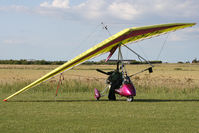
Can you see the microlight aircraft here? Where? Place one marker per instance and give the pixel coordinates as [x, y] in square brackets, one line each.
[122, 38]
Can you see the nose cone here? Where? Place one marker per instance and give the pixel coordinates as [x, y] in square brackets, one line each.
[128, 90]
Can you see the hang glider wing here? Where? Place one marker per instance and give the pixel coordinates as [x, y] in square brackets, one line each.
[123, 37]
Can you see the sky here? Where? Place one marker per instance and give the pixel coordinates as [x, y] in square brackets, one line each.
[62, 29]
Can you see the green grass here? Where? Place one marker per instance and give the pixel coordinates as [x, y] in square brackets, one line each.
[39, 111]
[79, 112]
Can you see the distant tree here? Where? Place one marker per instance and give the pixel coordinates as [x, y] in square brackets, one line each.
[180, 62]
[187, 62]
[195, 61]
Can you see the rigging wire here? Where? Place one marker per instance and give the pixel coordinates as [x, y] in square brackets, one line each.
[140, 57]
[82, 41]
[141, 49]
[162, 47]
[106, 28]
[92, 32]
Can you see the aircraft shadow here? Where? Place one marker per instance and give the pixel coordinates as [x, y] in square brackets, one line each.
[102, 100]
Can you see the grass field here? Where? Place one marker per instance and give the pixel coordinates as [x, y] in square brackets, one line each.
[167, 101]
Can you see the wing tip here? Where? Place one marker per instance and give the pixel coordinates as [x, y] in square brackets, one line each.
[194, 23]
[190, 24]
[5, 100]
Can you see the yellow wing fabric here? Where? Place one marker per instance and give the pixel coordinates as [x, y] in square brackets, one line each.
[123, 37]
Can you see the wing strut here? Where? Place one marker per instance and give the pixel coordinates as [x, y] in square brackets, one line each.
[150, 69]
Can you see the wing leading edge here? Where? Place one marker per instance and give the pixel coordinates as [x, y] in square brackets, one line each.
[123, 37]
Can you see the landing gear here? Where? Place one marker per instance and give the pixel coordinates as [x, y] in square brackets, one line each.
[97, 99]
[130, 99]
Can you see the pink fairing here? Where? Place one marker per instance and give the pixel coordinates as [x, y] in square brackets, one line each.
[127, 90]
[97, 94]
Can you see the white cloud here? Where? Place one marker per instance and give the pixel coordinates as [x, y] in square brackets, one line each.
[123, 10]
[91, 9]
[56, 4]
[128, 9]
[175, 8]
[95, 9]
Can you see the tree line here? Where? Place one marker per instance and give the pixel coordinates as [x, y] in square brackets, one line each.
[44, 62]
[31, 62]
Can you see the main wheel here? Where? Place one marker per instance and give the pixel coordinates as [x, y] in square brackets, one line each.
[130, 99]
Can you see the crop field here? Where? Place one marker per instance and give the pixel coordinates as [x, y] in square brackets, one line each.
[167, 101]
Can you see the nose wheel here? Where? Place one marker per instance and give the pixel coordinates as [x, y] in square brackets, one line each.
[130, 99]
